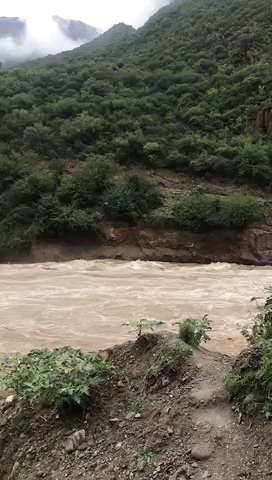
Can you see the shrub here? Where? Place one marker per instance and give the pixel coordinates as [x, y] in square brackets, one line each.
[239, 386]
[198, 211]
[171, 361]
[238, 210]
[195, 211]
[175, 356]
[193, 330]
[88, 184]
[132, 200]
[62, 378]
[254, 374]
[262, 324]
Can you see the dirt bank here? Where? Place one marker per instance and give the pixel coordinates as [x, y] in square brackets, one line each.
[179, 427]
[253, 246]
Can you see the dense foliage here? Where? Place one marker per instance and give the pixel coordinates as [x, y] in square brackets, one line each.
[190, 91]
[62, 378]
[197, 211]
[194, 330]
[255, 372]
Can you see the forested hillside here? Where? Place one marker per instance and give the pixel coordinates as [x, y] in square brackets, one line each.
[189, 91]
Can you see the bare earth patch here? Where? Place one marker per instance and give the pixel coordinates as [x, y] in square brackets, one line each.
[176, 428]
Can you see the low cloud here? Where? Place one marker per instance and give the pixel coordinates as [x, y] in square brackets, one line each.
[42, 37]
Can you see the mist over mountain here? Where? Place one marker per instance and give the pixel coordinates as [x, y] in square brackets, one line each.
[22, 40]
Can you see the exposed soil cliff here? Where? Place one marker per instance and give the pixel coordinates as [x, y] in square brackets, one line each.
[251, 246]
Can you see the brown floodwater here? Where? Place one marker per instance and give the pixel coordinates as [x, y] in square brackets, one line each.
[85, 303]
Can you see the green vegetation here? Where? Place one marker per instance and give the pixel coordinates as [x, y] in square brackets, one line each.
[197, 211]
[144, 324]
[171, 362]
[62, 378]
[132, 199]
[190, 91]
[194, 330]
[255, 372]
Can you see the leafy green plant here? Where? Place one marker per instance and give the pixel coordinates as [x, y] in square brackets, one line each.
[262, 324]
[175, 356]
[171, 361]
[255, 374]
[134, 403]
[144, 324]
[145, 456]
[239, 386]
[154, 371]
[133, 199]
[194, 330]
[61, 378]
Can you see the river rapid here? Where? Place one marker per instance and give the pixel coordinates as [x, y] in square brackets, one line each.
[85, 303]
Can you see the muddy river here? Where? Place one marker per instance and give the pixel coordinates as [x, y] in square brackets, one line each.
[85, 303]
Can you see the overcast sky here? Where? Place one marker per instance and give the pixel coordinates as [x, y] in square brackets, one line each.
[99, 13]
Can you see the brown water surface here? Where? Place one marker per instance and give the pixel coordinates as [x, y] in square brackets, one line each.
[85, 303]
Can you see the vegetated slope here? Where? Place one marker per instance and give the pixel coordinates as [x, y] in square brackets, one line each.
[190, 91]
[115, 34]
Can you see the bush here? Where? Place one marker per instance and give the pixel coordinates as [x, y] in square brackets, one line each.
[62, 378]
[238, 210]
[132, 200]
[193, 330]
[171, 361]
[198, 211]
[195, 211]
[262, 324]
[254, 374]
[85, 188]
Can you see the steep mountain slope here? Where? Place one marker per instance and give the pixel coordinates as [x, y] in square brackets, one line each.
[190, 91]
[115, 34]
[76, 29]
[12, 27]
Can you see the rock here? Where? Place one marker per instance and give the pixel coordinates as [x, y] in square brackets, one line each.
[195, 465]
[206, 474]
[118, 446]
[141, 465]
[202, 451]
[120, 384]
[253, 398]
[130, 416]
[170, 430]
[187, 469]
[11, 400]
[15, 467]
[74, 440]
[138, 415]
[83, 446]
[41, 474]
[176, 476]
[114, 420]
[165, 381]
